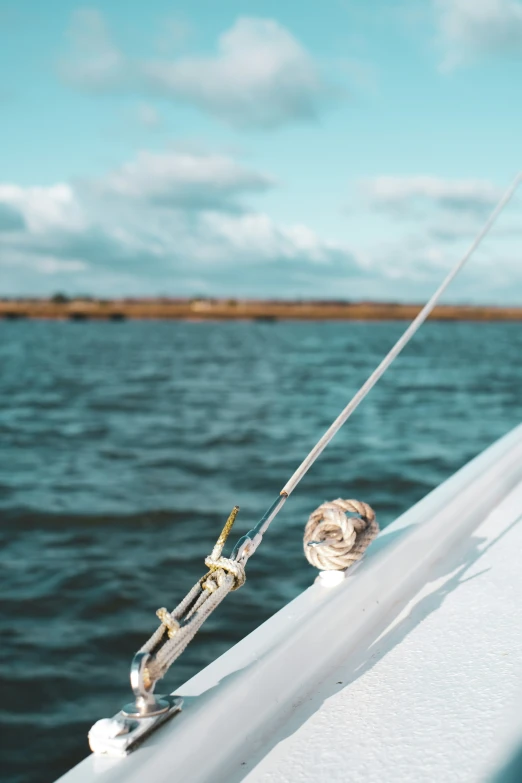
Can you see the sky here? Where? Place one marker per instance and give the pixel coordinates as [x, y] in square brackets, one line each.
[337, 150]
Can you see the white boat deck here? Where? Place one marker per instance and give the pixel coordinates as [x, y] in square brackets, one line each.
[408, 670]
[432, 697]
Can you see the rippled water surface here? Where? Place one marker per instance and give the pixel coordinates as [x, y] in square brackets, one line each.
[124, 446]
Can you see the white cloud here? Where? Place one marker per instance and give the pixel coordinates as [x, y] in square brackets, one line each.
[179, 224]
[186, 180]
[158, 223]
[471, 28]
[423, 224]
[406, 194]
[43, 208]
[261, 76]
[254, 235]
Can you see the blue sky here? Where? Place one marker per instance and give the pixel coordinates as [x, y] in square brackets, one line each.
[341, 150]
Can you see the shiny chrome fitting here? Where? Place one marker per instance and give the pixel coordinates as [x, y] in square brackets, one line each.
[147, 705]
[120, 735]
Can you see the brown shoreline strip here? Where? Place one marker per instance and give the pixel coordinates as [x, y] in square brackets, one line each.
[227, 309]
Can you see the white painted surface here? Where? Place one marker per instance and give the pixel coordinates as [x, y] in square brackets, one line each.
[403, 672]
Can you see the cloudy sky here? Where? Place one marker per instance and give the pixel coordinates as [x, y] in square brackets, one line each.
[341, 149]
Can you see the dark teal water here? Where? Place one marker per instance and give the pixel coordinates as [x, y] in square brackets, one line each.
[123, 447]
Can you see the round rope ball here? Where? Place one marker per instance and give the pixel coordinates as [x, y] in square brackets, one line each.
[333, 540]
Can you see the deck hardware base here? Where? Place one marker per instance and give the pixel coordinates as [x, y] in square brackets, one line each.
[120, 735]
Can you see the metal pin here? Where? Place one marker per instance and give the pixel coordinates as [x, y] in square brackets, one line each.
[325, 542]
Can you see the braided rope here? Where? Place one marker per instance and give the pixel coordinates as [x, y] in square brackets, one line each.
[193, 620]
[334, 541]
[181, 625]
[337, 542]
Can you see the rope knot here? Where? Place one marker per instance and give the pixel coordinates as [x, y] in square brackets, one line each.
[334, 541]
[170, 622]
[218, 567]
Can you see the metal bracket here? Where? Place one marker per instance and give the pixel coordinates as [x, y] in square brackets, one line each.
[119, 736]
[146, 704]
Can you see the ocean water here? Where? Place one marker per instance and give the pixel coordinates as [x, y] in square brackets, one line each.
[123, 447]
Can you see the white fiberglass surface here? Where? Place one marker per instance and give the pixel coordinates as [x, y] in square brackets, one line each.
[433, 697]
[403, 672]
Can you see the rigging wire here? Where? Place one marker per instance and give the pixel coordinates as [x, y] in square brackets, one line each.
[249, 543]
[179, 627]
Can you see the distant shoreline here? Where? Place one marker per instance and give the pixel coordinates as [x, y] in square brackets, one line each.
[61, 308]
